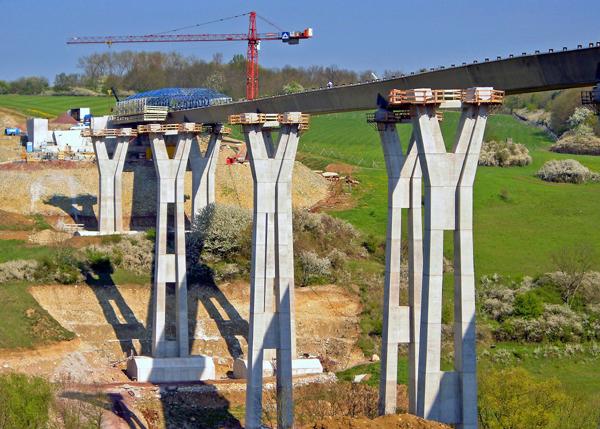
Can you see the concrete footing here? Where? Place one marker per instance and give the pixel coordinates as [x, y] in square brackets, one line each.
[167, 370]
[299, 367]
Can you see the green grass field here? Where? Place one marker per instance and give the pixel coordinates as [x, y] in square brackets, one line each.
[52, 106]
[24, 322]
[514, 236]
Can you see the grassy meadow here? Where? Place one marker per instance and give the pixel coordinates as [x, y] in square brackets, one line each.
[519, 220]
[51, 106]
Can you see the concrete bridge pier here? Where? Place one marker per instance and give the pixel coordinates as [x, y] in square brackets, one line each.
[204, 166]
[400, 322]
[272, 274]
[110, 171]
[170, 264]
[450, 397]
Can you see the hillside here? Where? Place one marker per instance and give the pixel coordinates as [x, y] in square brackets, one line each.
[515, 235]
[51, 106]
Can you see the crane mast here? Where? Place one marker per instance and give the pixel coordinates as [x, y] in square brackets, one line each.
[253, 37]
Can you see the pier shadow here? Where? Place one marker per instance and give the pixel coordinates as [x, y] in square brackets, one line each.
[116, 311]
[229, 322]
[80, 208]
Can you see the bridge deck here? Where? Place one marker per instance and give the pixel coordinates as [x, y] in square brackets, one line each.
[522, 74]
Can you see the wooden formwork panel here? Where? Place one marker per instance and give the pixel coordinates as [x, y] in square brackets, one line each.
[109, 132]
[260, 118]
[187, 127]
[402, 98]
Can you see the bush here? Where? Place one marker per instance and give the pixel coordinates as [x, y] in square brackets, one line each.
[218, 231]
[512, 398]
[134, 254]
[557, 323]
[63, 267]
[312, 267]
[19, 269]
[566, 171]
[24, 401]
[528, 305]
[504, 154]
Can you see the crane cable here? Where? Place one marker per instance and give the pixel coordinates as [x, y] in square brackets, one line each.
[201, 24]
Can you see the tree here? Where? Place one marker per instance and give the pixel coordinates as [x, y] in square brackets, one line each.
[32, 85]
[562, 107]
[65, 82]
[4, 87]
[292, 88]
[573, 263]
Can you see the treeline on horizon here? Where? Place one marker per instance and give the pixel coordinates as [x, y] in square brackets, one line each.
[130, 72]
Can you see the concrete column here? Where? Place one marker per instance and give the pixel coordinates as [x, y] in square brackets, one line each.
[204, 167]
[170, 267]
[272, 272]
[110, 171]
[449, 397]
[404, 191]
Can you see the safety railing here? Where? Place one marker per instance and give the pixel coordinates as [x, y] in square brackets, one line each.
[478, 95]
[397, 116]
[109, 132]
[186, 127]
[301, 119]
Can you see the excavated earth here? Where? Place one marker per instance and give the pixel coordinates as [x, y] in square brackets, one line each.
[399, 421]
[111, 322]
[68, 190]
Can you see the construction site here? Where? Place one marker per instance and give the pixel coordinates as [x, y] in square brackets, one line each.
[191, 259]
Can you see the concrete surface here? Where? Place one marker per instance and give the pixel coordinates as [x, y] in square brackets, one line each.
[204, 167]
[272, 268]
[400, 323]
[110, 189]
[170, 267]
[166, 370]
[450, 397]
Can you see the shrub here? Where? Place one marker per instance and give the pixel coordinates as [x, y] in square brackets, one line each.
[24, 401]
[565, 171]
[63, 267]
[134, 254]
[218, 230]
[312, 267]
[512, 398]
[99, 261]
[20, 269]
[504, 154]
[557, 323]
[528, 305]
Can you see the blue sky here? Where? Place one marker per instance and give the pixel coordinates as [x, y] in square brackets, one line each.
[390, 34]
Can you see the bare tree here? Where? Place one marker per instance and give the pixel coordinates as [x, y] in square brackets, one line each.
[573, 263]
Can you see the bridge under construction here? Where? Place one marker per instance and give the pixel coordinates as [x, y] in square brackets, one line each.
[426, 172]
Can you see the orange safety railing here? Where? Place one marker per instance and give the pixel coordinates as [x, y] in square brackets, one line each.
[478, 95]
[188, 127]
[109, 132]
[261, 118]
[398, 116]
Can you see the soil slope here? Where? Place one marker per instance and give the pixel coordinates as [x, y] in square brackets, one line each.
[70, 189]
[111, 321]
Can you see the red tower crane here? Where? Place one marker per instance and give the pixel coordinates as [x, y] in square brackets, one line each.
[253, 37]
